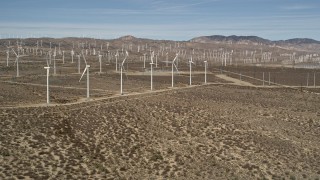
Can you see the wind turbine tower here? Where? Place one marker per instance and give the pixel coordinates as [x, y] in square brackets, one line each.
[174, 65]
[17, 60]
[190, 64]
[151, 69]
[205, 71]
[8, 54]
[72, 54]
[88, 87]
[48, 97]
[121, 90]
[54, 61]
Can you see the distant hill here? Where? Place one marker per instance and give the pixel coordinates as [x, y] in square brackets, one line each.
[299, 41]
[230, 39]
[127, 38]
[304, 44]
[296, 44]
[250, 40]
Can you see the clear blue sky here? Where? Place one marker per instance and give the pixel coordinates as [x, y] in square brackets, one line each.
[160, 19]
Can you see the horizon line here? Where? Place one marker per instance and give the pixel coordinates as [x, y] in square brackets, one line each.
[15, 36]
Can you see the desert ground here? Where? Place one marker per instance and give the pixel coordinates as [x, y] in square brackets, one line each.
[233, 127]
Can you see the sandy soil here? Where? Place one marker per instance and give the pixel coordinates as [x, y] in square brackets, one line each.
[234, 80]
[220, 132]
[229, 129]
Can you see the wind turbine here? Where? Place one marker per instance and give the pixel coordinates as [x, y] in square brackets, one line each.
[78, 63]
[122, 69]
[63, 57]
[8, 54]
[190, 64]
[72, 53]
[54, 61]
[47, 68]
[144, 61]
[117, 55]
[174, 66]
[100, 61]
[50, 54]
[151, 69]
[205, 71]
[17, 60]
[166, 59]
[86, 69]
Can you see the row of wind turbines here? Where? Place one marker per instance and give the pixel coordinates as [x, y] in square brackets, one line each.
[87, 67]
[51, 57]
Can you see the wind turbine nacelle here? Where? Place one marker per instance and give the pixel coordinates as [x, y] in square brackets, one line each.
[47, 67]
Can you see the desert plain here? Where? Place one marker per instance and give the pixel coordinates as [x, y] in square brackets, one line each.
[241, 124]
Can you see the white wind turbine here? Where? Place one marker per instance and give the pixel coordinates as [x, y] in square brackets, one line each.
[50, 54]
[63, 57]
[151, 70]
[47, 68]
[86, 69]
[127, 54]
[72, 54]
[144, 61]
[117, 55]
[166, 59]
[8, 54]
[79, 56]
[173, 64]
[100, 61]
[156, 61]
[54, 61]
[205, 71]
[17, 60]
[190, 64]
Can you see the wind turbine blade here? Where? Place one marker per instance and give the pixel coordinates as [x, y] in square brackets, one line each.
[124, 70]
[151, 56]
[47, 61]
[175, 58]
[125, 58]
[15, 61]
[14, 52]
[85, 69]
[176, 67]
[191, 60]
[84, 58]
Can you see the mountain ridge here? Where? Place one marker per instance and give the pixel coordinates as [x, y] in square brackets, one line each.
[251, 39]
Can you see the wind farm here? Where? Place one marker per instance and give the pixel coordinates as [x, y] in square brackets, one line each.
[230, 98]
[125, 104]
